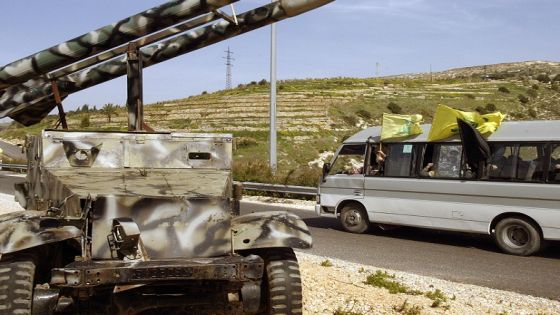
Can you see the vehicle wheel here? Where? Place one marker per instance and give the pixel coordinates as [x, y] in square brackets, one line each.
[281, 289]
[354, 218]
[16, 287]
[518, 236]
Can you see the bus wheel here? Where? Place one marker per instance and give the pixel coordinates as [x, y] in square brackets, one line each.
[16, 287]
[354, 218]
[518, 236]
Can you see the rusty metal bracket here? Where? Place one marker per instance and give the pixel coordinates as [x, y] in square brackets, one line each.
[58, 101]
[134, 101]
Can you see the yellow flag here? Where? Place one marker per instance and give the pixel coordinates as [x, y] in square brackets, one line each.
[445, 122]
[400, 126]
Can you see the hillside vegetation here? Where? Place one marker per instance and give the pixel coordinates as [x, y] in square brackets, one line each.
[315, 115]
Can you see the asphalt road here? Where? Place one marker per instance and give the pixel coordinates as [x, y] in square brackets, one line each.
[465, 258]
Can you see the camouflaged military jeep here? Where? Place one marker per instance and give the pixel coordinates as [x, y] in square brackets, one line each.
[128, 222]
[139, 222]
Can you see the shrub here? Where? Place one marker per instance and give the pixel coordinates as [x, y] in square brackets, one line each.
[556, 78]
[204, 92]
[263, 82]
[523, 99]
[532, 93]
[480, 109]
[245, 142]
[394, 108]
[326, 263]
[490, 108]
[252, 171]
[84, 122]
[364, 114]
[532, 113]
[503, 89]
[555, 86]
[535, 86]
[544, 78]
[471, 96]
[382, 279]
[406, 309]
[350, 120]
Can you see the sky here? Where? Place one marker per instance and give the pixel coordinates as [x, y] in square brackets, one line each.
[343, 39]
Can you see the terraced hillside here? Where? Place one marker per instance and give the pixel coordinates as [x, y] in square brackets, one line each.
[314, 115]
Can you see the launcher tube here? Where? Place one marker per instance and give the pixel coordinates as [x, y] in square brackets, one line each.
[105, 38]
[154, 54]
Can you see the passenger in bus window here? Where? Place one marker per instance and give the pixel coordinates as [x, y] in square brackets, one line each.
[377, 161]
[428, 170]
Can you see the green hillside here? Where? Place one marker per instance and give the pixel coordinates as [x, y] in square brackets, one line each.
[315, 115]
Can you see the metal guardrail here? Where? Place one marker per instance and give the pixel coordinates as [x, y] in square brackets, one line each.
[286, 189]
[13, 166]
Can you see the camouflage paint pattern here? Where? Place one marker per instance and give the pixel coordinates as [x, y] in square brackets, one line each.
[270, 229]
[104, 38]
[23, 230]
[15, 102]
[177, 188]
[170, 227]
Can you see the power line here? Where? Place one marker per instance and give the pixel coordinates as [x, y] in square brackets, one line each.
[229, 65]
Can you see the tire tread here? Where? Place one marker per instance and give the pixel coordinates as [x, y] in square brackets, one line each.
[16, 287]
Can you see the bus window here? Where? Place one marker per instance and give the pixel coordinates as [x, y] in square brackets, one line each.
[350, 160]
[503, 162]
[442, 161]
[398, 161]
[530, 163]
[448, 163]
[554, 170]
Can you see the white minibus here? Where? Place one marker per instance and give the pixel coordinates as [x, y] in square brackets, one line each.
[515, 197]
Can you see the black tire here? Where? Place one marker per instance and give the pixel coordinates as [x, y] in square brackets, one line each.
[16, 287]
[518, 236]
[354, 218]
[281, 289]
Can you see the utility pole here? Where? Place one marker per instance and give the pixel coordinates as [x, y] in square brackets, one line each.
[229, 59]
[273, 157]
[377, 69]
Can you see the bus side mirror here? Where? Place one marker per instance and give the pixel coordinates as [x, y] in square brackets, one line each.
[326, 169]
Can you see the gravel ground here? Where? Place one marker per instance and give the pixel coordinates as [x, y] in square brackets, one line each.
[340, 289]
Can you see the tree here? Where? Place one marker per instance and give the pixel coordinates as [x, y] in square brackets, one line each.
[84, 123]
[109, 110]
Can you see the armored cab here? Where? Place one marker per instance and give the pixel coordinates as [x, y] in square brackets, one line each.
[128, 222]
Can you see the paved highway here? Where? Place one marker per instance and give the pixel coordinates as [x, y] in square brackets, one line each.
[472, 259]
[458, 257]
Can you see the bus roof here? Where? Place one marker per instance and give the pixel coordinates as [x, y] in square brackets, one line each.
[533, 130]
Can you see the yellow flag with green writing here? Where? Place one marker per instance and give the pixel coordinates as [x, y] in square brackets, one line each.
[400, 126]
[445, 125]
